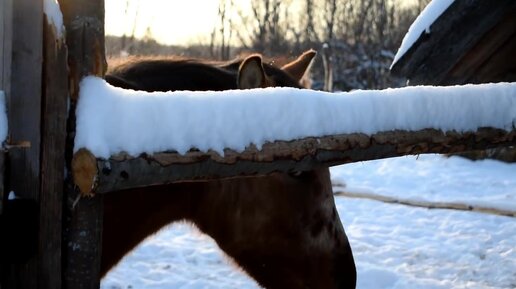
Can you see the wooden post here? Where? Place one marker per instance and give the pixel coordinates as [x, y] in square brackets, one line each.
[53, 138]
[6, 18]
[84, 21]
[24, 107]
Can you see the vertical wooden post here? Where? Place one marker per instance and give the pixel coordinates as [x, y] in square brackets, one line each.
[6, 19]
[84, 21]
[24, 107]
[53, 139]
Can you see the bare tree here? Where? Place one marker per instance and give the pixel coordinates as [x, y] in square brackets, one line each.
[266, 27]
[222, 31]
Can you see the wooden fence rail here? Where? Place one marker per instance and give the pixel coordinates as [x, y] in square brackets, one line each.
[123, 171]
[40, 73]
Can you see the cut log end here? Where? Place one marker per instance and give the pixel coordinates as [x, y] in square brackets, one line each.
[85, 172]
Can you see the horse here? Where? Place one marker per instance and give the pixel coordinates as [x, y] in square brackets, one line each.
[282, 229]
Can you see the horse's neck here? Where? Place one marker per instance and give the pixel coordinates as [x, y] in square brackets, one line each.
[234, 212]
[170, 74]
[274, 224]
[132, 215]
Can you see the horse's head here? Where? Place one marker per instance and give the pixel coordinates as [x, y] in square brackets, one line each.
[283, 228]
[254, 73]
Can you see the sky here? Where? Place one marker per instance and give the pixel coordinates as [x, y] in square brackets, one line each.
[176, 22]
[171, 21]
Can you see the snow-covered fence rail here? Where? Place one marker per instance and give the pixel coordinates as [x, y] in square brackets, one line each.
[129, 139]
[42, 117]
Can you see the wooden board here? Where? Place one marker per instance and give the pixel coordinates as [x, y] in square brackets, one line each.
[6, 10]
[53, 137]
[24, 115]
[454, 33]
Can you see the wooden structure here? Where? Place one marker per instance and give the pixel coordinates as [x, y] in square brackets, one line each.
[471, 42]
[122, 171]
[5, 67]
[40, 74]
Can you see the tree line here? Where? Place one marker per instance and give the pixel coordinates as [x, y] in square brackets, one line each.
[357, 39]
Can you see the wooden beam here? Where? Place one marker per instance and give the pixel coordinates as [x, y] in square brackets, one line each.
[433, 55]
[53, 137]
[6, 19]
[84, 22]
[24, 115]
[123, 171]
[493, 51]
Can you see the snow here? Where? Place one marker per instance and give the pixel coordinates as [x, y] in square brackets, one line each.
[3, 117]
[395, 246]
[426, 18]
[111, 120]
[54, 16]
[12, 196]
[433, 178]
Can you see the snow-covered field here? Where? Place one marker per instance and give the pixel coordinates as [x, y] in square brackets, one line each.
[395, 246]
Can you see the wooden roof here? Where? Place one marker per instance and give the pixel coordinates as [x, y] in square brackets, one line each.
[471, 42]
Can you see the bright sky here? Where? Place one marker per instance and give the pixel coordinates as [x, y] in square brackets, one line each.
[171, 21]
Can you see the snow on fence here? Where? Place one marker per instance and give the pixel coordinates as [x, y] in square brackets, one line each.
[290, 135]
[199, 135]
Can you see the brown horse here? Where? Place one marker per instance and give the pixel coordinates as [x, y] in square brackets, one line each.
[282, 229]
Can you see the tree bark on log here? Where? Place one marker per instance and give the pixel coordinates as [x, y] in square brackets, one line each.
[123, 171]
[84, 22]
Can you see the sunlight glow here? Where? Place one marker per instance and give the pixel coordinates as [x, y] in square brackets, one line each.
[173, 22]
[167, 21]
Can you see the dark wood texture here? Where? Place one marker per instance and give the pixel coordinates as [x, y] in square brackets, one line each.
[457, 31]
[84, 22]
[24, 107]
[53, 136]
[24, 103]
[491, 58]
[6, 10]
[123, 171]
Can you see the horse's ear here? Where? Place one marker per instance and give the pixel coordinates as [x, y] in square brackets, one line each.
[251, 73]
[301, 65]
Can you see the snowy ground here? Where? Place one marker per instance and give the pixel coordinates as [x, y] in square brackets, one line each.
[395, 246]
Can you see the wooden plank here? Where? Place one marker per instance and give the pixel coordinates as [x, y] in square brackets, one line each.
[123, 171]
[53, 138]
[433, 55]
[84, 22]
[490, 52]
[6, 18]
[24, 107]
[24, 104]
[6, 10]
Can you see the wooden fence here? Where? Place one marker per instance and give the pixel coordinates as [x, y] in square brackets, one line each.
[40, 73]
